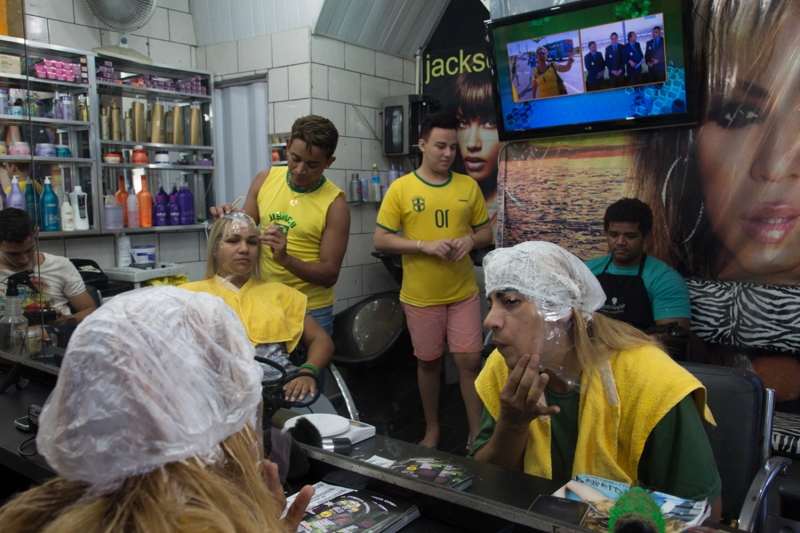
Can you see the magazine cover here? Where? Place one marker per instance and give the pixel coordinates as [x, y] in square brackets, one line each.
[601, 493]
[434, 470]
[335, 508]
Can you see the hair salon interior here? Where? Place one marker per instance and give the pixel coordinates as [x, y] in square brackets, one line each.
[143, 137]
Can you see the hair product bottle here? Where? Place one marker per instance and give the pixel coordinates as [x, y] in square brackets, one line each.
[50, 208]
[15, 197]
[80, 207]
[67, 215]
[145, 205]
[133, 209]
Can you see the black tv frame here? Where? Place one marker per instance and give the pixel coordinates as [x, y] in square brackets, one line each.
[691, 117]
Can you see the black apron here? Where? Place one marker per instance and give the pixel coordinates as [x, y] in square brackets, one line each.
[626, 297]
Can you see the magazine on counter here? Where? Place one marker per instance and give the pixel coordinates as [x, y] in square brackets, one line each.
[437, 471]
[601, 493]
[335, 508]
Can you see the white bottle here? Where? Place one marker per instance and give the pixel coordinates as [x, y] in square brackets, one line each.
[133, 209]
[123, 251]
[67, 216]
[80, 208]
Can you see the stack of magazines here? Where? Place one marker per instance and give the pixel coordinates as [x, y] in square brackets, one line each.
[335, 508]
[601, 493]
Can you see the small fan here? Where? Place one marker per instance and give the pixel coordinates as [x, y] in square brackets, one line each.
[123, 16]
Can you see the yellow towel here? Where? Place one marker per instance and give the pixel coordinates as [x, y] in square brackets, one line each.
[270, 311]
[611, 437]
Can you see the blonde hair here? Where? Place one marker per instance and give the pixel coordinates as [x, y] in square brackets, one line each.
[188, 496]
[215, 235]
[600, 339]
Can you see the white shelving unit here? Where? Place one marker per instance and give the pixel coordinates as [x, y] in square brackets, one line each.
[81, 167]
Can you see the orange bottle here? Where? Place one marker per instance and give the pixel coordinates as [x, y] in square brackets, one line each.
[122, 199]
[145, 205]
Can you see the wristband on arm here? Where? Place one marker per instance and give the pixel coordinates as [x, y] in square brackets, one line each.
[311, 367]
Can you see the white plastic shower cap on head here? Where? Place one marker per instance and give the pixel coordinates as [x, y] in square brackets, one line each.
[545, 272]
[240, 222]
[155, 376]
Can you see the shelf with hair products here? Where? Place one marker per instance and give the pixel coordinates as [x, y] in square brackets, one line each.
[155, 141]
[47, 134]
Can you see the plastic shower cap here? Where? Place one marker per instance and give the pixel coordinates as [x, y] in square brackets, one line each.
[154, 376]
[545, 272]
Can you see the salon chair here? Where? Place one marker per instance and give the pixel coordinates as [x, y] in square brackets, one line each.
[743, 410]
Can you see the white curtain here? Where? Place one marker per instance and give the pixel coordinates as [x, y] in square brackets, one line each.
[241, 128]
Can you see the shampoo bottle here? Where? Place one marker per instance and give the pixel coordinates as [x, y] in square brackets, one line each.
[186, 203]
[67, 216]
[160, 207]
[145, 205]
[123, 250]
[15, 197]
[80, 208]
[30, 198]
[50, 208]
[122, 199]
[133, 209]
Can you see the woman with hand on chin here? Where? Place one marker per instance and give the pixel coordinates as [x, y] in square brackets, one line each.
[273, 314]
[569, 391]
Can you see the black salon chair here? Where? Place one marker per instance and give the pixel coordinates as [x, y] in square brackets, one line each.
[743, 409]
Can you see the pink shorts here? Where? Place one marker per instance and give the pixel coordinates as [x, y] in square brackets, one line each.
[459, 323]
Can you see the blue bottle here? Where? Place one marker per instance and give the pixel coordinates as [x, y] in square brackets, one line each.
[30, 198]
[51, 219]
[186, 204]
[15, 197]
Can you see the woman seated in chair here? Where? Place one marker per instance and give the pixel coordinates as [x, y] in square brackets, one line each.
[569, 391]
[154, 426]
[273, 314]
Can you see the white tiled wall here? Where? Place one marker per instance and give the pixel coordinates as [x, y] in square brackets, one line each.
[168, 38]
[344, 83]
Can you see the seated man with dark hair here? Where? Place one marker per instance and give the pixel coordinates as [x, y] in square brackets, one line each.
[58, 282]
[640, 290]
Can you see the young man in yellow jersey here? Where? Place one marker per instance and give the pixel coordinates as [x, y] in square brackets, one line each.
[305, 217]
[443, 217]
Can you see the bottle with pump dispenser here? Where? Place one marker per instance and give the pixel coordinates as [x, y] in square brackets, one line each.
[30, 199]
[145, 205]
[80, 207]
[13, 325]
[160, 207]
[133, 209]
[173, 210]
[15, 198]
[58, 107]
[67, 215]
[185, 203]
[51, 220]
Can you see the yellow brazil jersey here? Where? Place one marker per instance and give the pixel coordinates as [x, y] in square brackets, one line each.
[303, 223]
[547, 81]
[432, 212]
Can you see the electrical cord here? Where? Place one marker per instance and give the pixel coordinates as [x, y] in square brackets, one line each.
[23, 454]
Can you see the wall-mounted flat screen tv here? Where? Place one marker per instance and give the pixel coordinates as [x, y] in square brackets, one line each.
[593, 66]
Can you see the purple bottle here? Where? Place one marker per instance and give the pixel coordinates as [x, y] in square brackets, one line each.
[16, 198]
[160, 203]
[186, 204]
[173, 211]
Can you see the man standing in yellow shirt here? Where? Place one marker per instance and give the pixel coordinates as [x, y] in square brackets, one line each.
[304, 217]
[443, 217]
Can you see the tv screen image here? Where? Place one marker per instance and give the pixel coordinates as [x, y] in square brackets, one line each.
[586, 67]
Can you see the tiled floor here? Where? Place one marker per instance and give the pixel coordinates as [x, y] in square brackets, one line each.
[387, 396]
